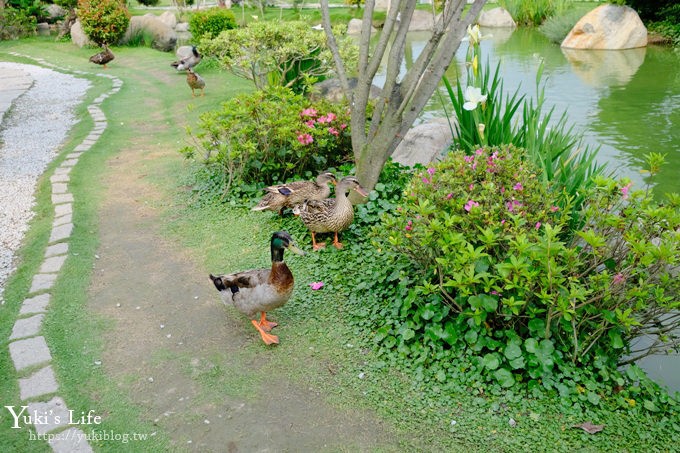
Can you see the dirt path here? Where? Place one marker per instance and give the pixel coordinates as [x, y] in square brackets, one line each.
[173, 349]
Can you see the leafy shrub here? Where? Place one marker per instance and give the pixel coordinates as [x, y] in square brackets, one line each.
[657, 10]
[149, 2]
[289, 54]
[33, 8]
[103, 21]
[533, 12]
[15, 24]
[209, 23]
[269, 137]
[491, 274]
[557, 27]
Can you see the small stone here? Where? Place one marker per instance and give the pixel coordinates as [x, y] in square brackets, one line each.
[362, 375]
[206, 421]
[512, 422]
[97, 362]
[453, 423]
[150, 379]
[137, 308]
[162, 326]
[118, 305]
[169, 335]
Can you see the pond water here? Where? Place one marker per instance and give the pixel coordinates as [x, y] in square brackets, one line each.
[626, 102]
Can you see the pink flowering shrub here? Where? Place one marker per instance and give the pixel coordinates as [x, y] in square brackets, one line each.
[269, 137]
[497, 270]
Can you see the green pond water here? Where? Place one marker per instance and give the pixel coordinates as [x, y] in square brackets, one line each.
[626, 102]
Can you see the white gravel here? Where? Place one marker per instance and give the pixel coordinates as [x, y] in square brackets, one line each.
[30, 137]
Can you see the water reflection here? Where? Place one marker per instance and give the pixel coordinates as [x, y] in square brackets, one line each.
[602, 68]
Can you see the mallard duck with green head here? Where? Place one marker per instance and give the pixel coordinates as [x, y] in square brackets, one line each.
[293, 193]
[261, 290]
[331, 215]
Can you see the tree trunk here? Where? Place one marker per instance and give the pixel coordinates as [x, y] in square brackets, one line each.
[403, 97]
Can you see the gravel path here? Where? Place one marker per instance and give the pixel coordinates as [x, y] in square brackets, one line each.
[31, 135]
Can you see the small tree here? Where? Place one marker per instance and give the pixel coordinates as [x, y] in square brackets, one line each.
[289, 54]
[103, 21]
[403, 97]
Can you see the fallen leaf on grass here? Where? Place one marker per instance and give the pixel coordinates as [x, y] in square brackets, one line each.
[589, 427]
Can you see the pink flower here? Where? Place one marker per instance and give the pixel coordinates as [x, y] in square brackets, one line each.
[333, 131]
[305, 139]
[518, 187]
[503, 222]
[469, 159]
[449, 195]
[618, 279]
[624, 190]
[409, 226]
[323, 119]
[495, 293]
[309, 123]
[538, 225]
[554, 208]
[430, 171]
[470, 204]
[502, 189]
[331, 116]
[425, 180]
[471, 186]
[308, 112]
[479, 152]
[316, 285]
[343, 126]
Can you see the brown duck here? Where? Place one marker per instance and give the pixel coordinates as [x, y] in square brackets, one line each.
[103, 57]
[332, 214]
[195, 82]
[261, 290]
[293, 193]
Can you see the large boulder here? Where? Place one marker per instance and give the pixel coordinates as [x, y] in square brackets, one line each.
[55, 12]
[497, 18]
[163, 37]
[424, 143]
[169, 19]
[331, 90]
[608, 27]
[421, 21]
[354, 27]
[78, 36]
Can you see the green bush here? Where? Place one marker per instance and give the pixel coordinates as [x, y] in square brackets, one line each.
[491, 278]
[289, 54]
[15, 24]
[557, 27]
[657, 10]
[149, 2]
[268, 137]
[103, 21]
[533, 12]
[209, 23]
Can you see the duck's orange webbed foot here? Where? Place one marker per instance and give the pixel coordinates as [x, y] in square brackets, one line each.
[317, 246]
[267, 326]
[336, 242]
[266, 337]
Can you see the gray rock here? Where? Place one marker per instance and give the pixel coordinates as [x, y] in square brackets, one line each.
[424, 143]
[37, 304]
[182, 27]
[78, 36]
[27, 327]
[354, 27]
[55, 12]
[56, 408]
[29, 352]
[421, 21]
[163, 37]
[496, 17]
[608, 27]
[39, 383]
[168, 18]
[330, 89]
